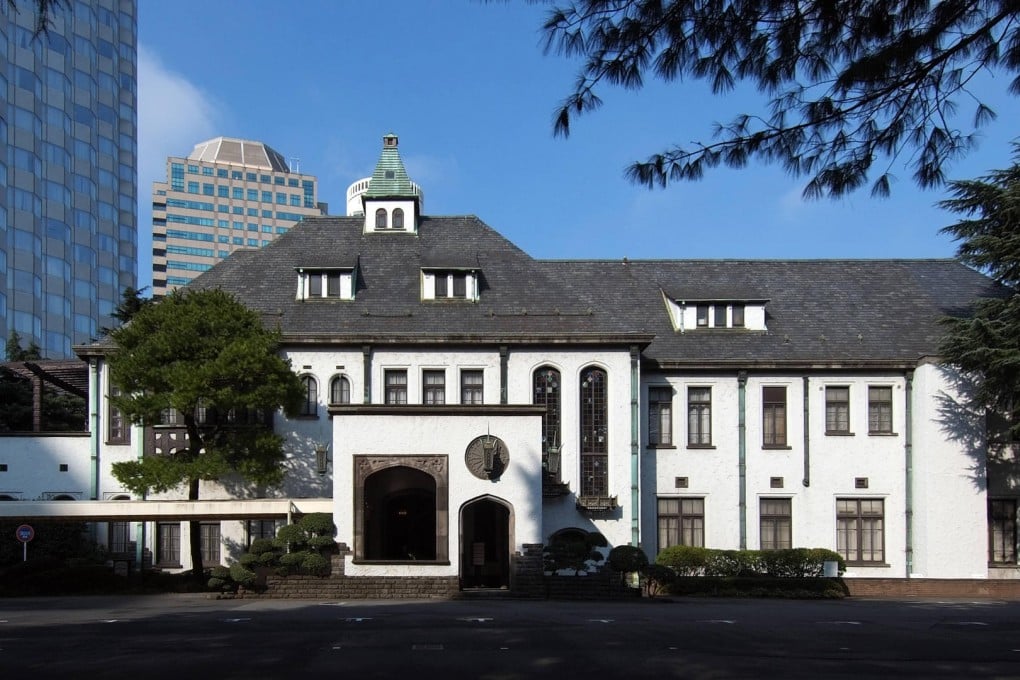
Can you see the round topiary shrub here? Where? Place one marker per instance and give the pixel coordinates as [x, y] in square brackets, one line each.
[318, 524]
[627, 559]
[315, 564]
[241, 575]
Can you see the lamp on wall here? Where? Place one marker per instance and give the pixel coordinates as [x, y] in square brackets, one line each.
[552, 457]
[321, 457]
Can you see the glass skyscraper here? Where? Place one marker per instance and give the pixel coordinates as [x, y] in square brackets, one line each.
[68, 171]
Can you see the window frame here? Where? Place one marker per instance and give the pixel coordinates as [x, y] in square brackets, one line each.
[210, 537]
[879, 409]
[168, 544]
[118, 430]
[340, 390]
[859, 525]
[593, 398]
[546, 391]
[433, 386]
[471, 392]
[774, 414]
[395, 386]
[310, 405]
[1002, 532]
[775, 520]
[699, 411]
[381, 218]
[837, 410]
[660, 416]
[689, 521]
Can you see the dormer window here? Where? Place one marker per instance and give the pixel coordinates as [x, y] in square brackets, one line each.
[315, 284]
[440, 284]
[688, 315]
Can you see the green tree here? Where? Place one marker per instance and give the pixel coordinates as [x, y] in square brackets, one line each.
[987, 344]
[131, 302]
[202, 352]
[14, 351]
[850, 82]
[44, 11]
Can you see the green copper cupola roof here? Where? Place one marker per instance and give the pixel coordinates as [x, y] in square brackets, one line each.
[390, 179]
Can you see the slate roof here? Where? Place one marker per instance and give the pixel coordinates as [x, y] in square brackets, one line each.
[389, 179]
[819, 312]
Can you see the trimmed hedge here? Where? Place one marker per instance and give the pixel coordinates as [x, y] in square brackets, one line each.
[758, 586]
[789, 563]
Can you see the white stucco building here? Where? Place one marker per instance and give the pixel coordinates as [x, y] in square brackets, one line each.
[467, 404]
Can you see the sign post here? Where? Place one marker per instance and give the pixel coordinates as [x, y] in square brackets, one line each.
[25, 533]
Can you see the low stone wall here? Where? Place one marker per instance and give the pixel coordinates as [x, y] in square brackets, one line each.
[1003, 589]
[604, 585]
[360, 587]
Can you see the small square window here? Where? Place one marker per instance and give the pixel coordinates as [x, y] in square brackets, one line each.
[3, 467]
[63, 467]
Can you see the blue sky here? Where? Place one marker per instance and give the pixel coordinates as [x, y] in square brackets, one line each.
[469, 91]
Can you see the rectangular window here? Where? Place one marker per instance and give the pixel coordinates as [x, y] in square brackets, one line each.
[719, 314]
[837, 410]
[699, 416]
[471, 387]
[192, 187]
[660, 416]
[208, 189]
[776, 518]
[168, 545]
[860, 530]
[119, 538]
[210, 537]
[681, 522]
[222, 191]
[117, 430]
[880, 410]
[702, 316]
[260, 528]
[396, 386]
[738, 316]
[774, 416]
[434, 387]
[1002, 531]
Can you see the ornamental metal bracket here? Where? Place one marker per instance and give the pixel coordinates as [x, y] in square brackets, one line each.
[596, 504]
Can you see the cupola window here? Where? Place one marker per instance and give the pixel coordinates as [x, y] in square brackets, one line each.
[398, 218]
[380, 218]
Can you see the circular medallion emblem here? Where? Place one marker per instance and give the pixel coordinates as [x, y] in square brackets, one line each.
[487, 457]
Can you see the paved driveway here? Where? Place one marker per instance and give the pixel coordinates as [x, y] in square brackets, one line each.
[189, 637]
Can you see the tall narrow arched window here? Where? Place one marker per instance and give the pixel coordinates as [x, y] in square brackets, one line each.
[380, 219]
[398, 218]
[594, 433]
[311, 402]
[547, 393]
[340, 390]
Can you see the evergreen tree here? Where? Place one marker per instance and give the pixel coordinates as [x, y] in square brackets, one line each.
[207, 357]
[987, 345]
[850, 81]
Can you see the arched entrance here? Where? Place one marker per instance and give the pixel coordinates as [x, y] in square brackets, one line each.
[485, 540]
[400, 515]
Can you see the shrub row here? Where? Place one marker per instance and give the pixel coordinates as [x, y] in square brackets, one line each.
[789, 563]
[757, 586]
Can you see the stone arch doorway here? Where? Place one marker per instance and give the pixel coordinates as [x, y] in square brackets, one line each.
[486, 536]
[401, 509]
[400, 515]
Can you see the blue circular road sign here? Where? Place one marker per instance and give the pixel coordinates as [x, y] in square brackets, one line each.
[25, 533]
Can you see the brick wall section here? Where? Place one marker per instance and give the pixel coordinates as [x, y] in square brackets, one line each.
[933, 587]
[528, 579]
[605, 585]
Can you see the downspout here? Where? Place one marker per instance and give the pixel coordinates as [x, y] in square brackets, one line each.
[908, 465]
[635, 429]
[742, 453]
[807, 435]
[504, 353]
[366, 363]
[94, 425]
[139, 435]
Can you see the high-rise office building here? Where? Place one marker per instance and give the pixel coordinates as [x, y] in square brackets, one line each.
[228, 194]
[68, 178]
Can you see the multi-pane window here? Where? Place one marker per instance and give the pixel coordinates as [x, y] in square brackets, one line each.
[738, 316]
[719, 316]
[1002, 531]
[434, 387]
[310, 406]
[681, 522]
[209, 534]
[380, 219]
[260, 528]
[594, 433]
[774, 416]
[547, 393]
[880, 410]
[660, 416]
[699, 416]
[451, 284]
[396, 386]
[837, 410]
[398, 218]
[168, 543]
[119, 538]
[340, 390]
[702, 316]
[116, 424]
[471, 387]
[860, 529]
[775, 517]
